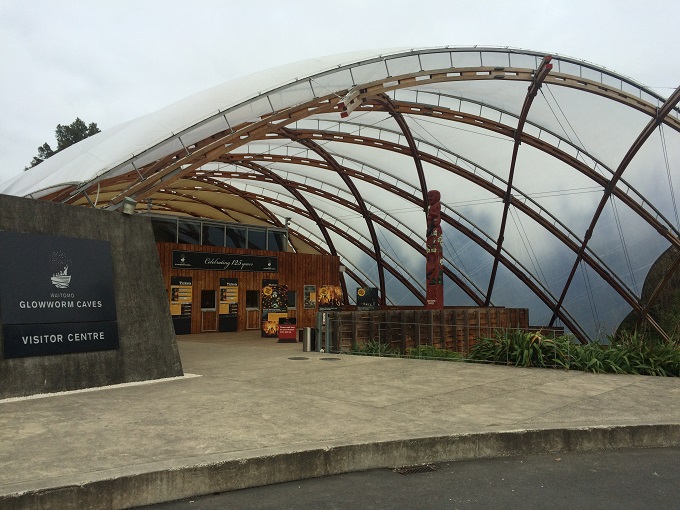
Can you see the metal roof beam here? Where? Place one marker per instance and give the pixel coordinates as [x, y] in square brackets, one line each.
[357, 196]
[397, 232]
[540, 74]
[610, 188]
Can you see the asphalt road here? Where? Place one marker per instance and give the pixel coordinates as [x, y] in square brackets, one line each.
[620, 479]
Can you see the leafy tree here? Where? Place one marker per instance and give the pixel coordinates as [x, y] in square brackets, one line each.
[66, 136]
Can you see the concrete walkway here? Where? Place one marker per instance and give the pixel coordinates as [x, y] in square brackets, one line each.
[248, 414]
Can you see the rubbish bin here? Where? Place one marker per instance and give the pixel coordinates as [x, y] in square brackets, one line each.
[308, 340]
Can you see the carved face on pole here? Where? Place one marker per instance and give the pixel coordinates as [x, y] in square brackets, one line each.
[433, 211]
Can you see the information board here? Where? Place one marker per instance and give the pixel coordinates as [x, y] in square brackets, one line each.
[181, 295]
[56, 295]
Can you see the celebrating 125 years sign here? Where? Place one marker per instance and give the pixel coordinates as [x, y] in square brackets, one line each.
[56, 295]
[224, 261]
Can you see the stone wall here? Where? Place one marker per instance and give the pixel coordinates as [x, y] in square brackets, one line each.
[147, 346]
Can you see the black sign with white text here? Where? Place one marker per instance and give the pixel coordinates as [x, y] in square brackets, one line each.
[48, 339]
[224, 261]
[56, 288]
[367, 298]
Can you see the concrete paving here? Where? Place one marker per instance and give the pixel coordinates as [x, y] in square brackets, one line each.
[247, 414]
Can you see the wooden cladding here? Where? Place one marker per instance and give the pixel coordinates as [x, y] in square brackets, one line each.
[294, 270]
[455, 329]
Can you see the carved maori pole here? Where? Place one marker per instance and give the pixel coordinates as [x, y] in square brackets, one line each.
[434, 298]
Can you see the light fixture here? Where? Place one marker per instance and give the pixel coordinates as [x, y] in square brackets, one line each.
[129, 205]
[287, 222]
[342, 268]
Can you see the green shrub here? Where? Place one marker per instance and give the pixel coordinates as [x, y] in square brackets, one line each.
[375, 348]
[628, 353]
[522, 349]
[430, 352]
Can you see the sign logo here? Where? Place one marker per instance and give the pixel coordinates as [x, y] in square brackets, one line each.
[59, 263]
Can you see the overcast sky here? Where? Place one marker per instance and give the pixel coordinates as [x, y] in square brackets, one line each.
[109, 61]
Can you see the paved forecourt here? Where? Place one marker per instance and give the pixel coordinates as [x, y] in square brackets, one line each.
[249, 413]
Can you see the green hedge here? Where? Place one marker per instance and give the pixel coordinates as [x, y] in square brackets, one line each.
[628, 354]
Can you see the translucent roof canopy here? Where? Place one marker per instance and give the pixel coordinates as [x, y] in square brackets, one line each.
[557, 176]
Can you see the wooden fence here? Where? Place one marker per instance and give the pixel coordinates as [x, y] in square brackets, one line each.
[454, 329]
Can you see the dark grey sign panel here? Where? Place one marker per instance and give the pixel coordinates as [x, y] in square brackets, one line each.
[24, 340]
[50, 279]
[56, 295]
[224, 261]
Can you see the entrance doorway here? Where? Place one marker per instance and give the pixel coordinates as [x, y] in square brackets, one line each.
[253, 309]
[208, 311]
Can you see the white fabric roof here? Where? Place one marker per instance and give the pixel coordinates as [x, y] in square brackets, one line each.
[456, 119]
[115, 146]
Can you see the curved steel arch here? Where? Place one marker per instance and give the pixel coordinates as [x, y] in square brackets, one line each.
[561, 140]
[382, 144]
[541, 217]
[357, 196]
[515, 268]
[634, 148]
[354, 241]
[160, 165]
[445, 74]
[465, 286]
[292, 188]
[254, 198]
[597, 266]
[475, 296]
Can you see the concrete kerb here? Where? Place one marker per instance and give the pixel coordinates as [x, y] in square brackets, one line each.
[174, 483]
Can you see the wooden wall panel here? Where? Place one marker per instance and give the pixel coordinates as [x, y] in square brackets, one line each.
[454, 328]
[295, 271]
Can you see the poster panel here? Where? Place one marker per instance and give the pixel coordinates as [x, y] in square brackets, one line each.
[181, 295]
[330, 297]
[228, 296]
[367, 298]
[310, 297]
[274, 306]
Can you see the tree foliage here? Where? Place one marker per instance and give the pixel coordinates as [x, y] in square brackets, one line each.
[65, 136]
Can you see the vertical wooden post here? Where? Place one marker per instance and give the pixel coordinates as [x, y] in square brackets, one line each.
[442, 327]
[402, 321]
[466, 318]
